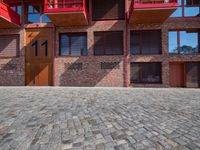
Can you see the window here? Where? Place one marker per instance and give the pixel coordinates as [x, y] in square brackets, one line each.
[192, 2]
[17, 9]
[108, 43]
[73, 44]
[35, 14]
[112, 9]
[9, 46]
[184, 42]
[146, 73]
[145, 42]
[187, 8]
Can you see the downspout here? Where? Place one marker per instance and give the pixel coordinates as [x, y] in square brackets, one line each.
[126, 47]
[54, 57]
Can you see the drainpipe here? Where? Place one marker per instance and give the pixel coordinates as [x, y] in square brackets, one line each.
[54, 56]
[126, 48]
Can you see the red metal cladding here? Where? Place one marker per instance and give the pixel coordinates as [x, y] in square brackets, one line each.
[145, 11]
[9, 15]
[53, 6]
[68, 10]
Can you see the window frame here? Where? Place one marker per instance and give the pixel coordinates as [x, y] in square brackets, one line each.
[140, 81]
[179, 42]
[183, 5]
[18, 55]
[70, 35]
[140, 44]
[40, 13]
[192, 5]
[104, 44]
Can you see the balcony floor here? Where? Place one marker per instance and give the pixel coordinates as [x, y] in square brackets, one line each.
[150, 15]
[69, 18]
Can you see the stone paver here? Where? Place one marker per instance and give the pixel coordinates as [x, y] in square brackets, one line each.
[52, 118]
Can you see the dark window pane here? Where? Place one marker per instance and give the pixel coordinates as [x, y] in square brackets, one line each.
[99, 50]
[193, 75]
[73, 44]
[135, 43]
[99, 43]
[112, 9]
[151, 72]
[64, 45]
[108, 43]
[146, 72]
[114, 43]
[135, 73]
[78, 45]
[146, 42]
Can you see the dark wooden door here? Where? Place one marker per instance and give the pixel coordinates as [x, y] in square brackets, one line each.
[39, 57]
[193, 75]
[177, 75]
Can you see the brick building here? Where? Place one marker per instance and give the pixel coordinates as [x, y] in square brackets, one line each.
[134, 43]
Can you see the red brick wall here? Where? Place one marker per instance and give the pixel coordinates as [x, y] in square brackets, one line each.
[12, 70]
[165, 57]
[91, 73]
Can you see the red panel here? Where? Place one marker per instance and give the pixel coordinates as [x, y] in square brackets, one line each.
[152, 4]
[57, 6]
[66, 8]
[8, 14]
[151, 11]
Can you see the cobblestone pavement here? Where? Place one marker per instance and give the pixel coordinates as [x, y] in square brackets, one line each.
[48, 118]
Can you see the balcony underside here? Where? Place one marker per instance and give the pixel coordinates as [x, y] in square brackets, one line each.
[78, 18]
[7, 24]
[8, 17]
[152, 15]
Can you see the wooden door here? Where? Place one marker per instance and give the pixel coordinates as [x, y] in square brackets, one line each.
[39, 57]
[177, 75]
[193, 75]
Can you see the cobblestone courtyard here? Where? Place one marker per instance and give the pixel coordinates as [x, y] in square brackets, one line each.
[97, 118]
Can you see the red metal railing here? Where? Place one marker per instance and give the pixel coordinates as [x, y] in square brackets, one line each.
[65, 5]
[153, 1]
[12, 2]
[9, 14]
[56, 6]
[51, 4]
[142, 4]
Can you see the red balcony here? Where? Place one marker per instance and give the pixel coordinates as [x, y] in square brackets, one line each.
[8, 17]
[151, 11]
[67, 12]
[12, 2]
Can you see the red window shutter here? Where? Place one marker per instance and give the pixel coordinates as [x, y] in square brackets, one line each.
[9, 46]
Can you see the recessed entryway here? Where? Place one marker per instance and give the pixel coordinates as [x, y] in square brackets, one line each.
[185, 74]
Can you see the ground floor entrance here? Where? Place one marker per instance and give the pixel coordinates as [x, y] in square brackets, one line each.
[39, 57]
[185, 74]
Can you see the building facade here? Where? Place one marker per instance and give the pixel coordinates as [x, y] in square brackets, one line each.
[118, 43]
